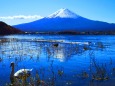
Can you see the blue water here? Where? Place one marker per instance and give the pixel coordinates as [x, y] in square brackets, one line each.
[64, 64]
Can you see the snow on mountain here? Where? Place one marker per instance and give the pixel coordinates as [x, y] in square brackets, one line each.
[64, 13]
[65, 20]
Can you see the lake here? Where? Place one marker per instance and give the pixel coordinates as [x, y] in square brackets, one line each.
[60, 60]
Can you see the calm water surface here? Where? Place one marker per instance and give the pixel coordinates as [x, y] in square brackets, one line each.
[68, 60]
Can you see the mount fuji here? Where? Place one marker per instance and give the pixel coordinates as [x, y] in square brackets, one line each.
[65, 20]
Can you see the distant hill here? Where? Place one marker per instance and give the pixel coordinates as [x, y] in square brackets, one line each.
[64, 20]
[7, 29]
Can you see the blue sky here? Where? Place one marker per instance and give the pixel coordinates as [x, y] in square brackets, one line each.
[102, 10]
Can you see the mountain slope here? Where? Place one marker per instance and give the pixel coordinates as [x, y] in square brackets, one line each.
[65, 20]
[6, 29]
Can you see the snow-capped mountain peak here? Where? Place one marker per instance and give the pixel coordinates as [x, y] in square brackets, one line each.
[63, 13]
[63, 21]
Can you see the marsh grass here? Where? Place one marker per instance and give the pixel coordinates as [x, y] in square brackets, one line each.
[49, 76]
[98, 71]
